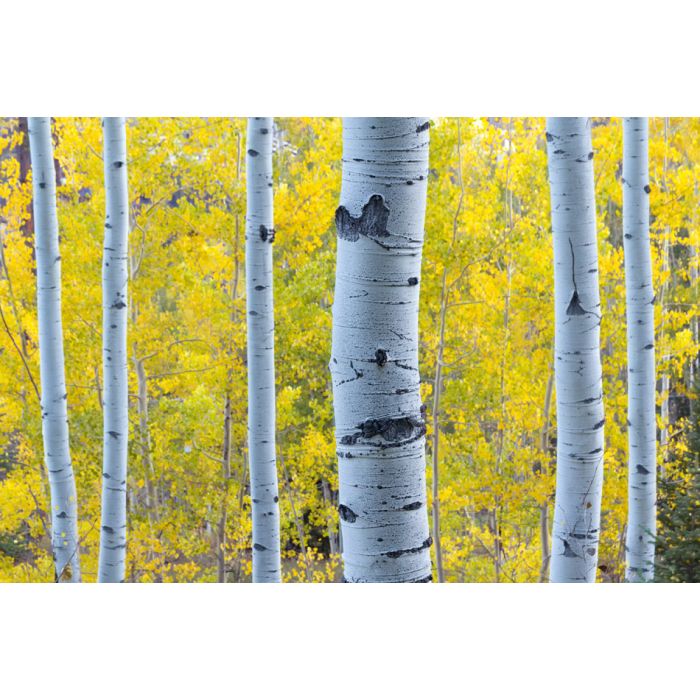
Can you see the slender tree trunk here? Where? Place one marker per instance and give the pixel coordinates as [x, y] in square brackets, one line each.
[665, 266]
[54, 409]
[333, 544]
[24, 160]
[641, 379]
[261, 353]
[695, 326]
[544, 507]
[226, 474]
[222, 572]
[379, 417]
[145, 435]
[242, 488]
[437, 394]
[301, 533]
[115, 276]
[577, 367]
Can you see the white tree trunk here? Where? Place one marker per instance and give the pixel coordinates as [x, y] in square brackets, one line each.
[379, 417]
[641, 380]
[115, 275]
[261, 353]
[577, 364]
[54, 409]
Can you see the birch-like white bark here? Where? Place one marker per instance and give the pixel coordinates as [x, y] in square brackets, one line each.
[379, 417]
[641, 379]
[261, 353]
[578, 373]
[54, 409]
[115, 275]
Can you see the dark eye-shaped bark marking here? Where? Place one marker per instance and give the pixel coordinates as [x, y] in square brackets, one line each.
[347, 514]
[267, 234]
[371, 223]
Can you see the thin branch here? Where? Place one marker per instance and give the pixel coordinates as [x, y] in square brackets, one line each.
[21, 354]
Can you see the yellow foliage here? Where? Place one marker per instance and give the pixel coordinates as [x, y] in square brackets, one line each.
[487, 281]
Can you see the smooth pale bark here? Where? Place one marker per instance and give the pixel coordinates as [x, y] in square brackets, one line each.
[379, 417]
[577, 366]
[261, 353]
[641, 379]
[54, 409]
[115, 276]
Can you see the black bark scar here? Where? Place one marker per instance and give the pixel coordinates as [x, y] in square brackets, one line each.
[395, 431]
[267, 234]
[413, 550]
[371, 223]
[347, 514]
[574, 308]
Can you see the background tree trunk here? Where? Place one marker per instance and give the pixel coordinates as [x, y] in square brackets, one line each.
[666, 288]
[379, 417]
[437, 392]
[261, 353]
[544, 507]
[54, 409]
[115, 276]
[641, 380]
[24, 160]
[578, 373]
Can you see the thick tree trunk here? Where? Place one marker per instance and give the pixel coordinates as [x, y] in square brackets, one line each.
[578, 374]
[115, 275]
[54, 409]
[379, 417]
[641, 380]
[261, 353]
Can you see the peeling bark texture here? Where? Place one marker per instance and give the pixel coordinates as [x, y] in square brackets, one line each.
[261, 353]
[115, 275]
[379, 417]
[641, 379]
[578, 374]
[54, 409]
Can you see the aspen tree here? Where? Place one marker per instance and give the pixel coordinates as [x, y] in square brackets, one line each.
[379, 417]
[578, 373]
[641, 380]
[115, 275]
[54, 408]
[261, 352]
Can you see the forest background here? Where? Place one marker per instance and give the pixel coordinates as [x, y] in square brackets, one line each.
[486, 325]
